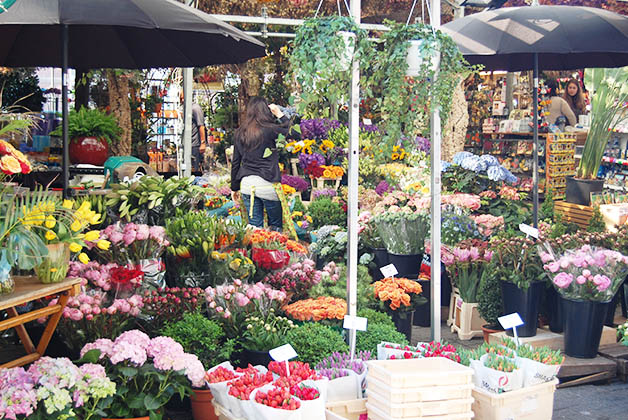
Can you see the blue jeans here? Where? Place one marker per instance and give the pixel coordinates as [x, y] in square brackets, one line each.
[273, 209]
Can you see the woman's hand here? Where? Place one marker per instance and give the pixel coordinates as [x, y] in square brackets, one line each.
[235, 195]
[275, 110]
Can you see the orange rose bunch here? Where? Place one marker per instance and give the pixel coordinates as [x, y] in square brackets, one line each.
[330, 171]
[12, 161]
[396, 290]
[324, 307]
[262, 236]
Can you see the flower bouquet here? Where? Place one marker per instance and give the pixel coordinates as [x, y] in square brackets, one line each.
[322, 308]
[403, 230]
[295, 182]
[466, 264]
[295, 280]
[54, 389]
[270, 256]
[264, 334]
[397, 293]
[147, 372]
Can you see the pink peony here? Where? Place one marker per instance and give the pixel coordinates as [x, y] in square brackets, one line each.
[581, 279]
[602, 282]
[563, 280]
[553, 266]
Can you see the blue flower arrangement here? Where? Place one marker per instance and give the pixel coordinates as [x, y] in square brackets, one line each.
[483, 164]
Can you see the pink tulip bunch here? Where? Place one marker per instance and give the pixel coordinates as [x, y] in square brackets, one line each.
[466, 263]
[588, 273]
[132, 243]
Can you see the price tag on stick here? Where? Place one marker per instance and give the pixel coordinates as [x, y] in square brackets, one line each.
[389, 270]
[283, 354]
[511, 321]
[356, 323]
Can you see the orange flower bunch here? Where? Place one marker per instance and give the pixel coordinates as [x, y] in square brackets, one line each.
[324, 307]
[330, 171]
[12, 161]
[396, 290]
[261, 236]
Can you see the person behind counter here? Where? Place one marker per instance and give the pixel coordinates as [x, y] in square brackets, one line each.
[559, 106]
[255, 164]
[574, 97]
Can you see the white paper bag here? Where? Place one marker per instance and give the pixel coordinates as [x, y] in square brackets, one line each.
[535, 373]
[492, 380]
[220, 389]
[263, 412]
[344, 388]
[314, 409]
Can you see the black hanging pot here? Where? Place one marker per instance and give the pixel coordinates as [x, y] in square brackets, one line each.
[403, 322]
[408, 266]
[526, 303]
[578, 191]
[422, 314]
[584, 321]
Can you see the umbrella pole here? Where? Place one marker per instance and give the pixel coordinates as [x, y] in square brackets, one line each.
[535, 150]
[65, 111]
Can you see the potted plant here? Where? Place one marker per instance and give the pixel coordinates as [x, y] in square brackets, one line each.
[587, 278]
[520, 274]
[607, 108]
[261, 334]
[490, 302]
[403, 231]
[147, 373]
[322, 53]
[206, 339]
[92, 133]
[399, 296]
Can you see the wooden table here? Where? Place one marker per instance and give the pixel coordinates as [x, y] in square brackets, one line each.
[28, 289]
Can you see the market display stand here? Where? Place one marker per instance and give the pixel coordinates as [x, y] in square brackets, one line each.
[28, 289]
[560, 162]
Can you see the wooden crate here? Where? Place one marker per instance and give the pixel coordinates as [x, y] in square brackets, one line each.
[619, 354]
[574, 213]
[552, 340]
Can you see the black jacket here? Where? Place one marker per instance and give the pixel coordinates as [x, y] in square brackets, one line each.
[251, 162]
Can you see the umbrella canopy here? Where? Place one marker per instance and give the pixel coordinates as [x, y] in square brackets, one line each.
[130, 34]
[564, 37]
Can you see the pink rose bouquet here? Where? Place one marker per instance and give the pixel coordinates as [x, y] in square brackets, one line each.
[488, 224]
[148, 372]
[587, 273]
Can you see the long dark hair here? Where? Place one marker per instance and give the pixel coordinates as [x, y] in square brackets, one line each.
[576, 102]
[257, 117]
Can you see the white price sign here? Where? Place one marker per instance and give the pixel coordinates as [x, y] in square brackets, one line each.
[389, 270]
[283, 353]
[510, 321]
[354, 323]
[529, 230]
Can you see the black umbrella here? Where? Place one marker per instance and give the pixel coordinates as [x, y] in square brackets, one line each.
[130, 34]
[545, 37]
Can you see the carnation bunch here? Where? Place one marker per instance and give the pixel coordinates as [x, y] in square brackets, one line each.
[587, 273]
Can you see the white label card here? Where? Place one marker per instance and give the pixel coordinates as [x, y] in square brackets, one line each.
[367, 121]
[510, 321]
[389, 270]
[529, 230]
[283, 353]
[354, 323]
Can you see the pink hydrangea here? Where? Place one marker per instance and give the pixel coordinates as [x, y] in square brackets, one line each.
[125, 350]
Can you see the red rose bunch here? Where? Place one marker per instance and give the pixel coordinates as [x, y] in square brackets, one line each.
[278, 398]
[126, 278]
[220, 374]
[270, 259]
[314, 170]
[242, 387]
[305, 393]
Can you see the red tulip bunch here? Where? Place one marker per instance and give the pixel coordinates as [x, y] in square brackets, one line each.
[242, 387]
[220, 374]
[278, 398]
[305, 393]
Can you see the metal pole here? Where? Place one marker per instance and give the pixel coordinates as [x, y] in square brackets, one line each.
[352, 211]
[535, 148]
[65, 110]
[435, 187]
[187, 115]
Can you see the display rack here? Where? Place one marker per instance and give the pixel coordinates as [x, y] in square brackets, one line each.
[559, 162]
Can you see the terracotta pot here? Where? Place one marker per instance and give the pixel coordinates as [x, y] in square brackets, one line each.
[488, 330]
[202, 407]
[91, 150]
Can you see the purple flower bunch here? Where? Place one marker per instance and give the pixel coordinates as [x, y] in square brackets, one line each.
[333, 373]
[295, 182]
[335, 156]
[325, 192]
[368, 128]
[318, 128]
[587, 273]
[306, 159]
[51, 388]
[298, 278]
[135, 349]
[342, 361]
[423, 144]
[382, 188]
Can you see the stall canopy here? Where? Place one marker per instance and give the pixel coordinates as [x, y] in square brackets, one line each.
[130, 34]
[542, 38]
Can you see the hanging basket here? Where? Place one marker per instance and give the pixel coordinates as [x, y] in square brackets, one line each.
[419, 51]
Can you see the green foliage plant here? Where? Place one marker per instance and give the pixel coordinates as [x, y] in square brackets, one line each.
[317, 59]
[202, 337]
[489, 296]
[375, 317]
[91, 123]
[325, 211]
[314, 342]
[375, 334]
[596, 223]
[516, 259]
[328, 287]
[404, 99]
[610, 87]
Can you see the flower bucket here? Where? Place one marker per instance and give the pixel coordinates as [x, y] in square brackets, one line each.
[55, 266]
[408, 266]
[556, 310]
[526, 303]
[202, 407]
[254, 358]
[403, 322]
[584, 321]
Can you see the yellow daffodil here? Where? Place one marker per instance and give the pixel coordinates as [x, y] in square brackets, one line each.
[74, 247]
[103, 244]
[92, 235]
[68, 204]
[297, 213]
[50, 222]
[83, 258]
[50, 235]
[308, 218]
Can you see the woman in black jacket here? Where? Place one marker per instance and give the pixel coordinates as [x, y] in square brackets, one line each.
[255, 163]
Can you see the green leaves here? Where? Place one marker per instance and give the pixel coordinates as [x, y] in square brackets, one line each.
[91, 122]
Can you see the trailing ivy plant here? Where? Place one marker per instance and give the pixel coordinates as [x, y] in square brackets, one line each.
[319, 64]
[404, 99]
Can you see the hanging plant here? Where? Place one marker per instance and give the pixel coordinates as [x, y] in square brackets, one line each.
[407, 99]
[323, 51]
